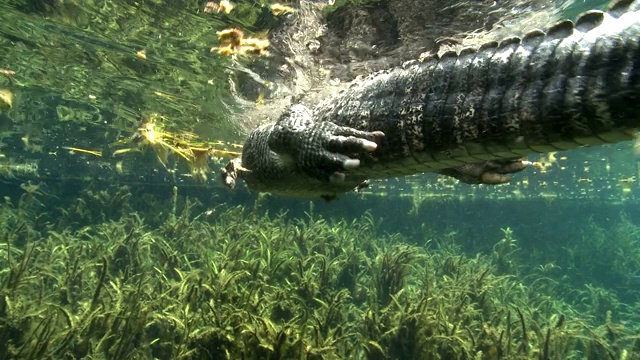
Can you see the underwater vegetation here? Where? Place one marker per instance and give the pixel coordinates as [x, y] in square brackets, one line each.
[96, 278]
[115, 274]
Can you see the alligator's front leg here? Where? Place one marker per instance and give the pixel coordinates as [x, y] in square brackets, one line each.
[322, 151]
[298, 156]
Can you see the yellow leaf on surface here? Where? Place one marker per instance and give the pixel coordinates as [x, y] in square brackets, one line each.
[6, 99]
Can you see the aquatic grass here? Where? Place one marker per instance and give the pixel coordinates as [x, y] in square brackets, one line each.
[230, 283]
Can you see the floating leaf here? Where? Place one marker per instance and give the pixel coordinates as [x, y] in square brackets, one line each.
[279, 9]
[6, 99]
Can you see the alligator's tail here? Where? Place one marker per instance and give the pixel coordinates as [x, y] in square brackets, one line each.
[576, 85]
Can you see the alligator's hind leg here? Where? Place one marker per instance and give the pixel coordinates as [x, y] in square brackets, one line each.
[487, 172]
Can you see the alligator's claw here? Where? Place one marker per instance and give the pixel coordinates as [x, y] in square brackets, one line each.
[488, 172]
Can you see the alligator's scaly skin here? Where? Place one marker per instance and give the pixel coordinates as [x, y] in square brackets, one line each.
[575, 85]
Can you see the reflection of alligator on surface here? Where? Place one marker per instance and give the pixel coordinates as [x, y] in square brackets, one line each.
[317, 50]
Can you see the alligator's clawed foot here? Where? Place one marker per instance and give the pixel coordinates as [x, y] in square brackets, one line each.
[489, 172]
[329, 151]
[322, 150]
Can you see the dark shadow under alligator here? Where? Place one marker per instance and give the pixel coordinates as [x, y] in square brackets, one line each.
[465, 114]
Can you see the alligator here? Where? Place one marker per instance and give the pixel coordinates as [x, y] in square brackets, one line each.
[473, 114]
